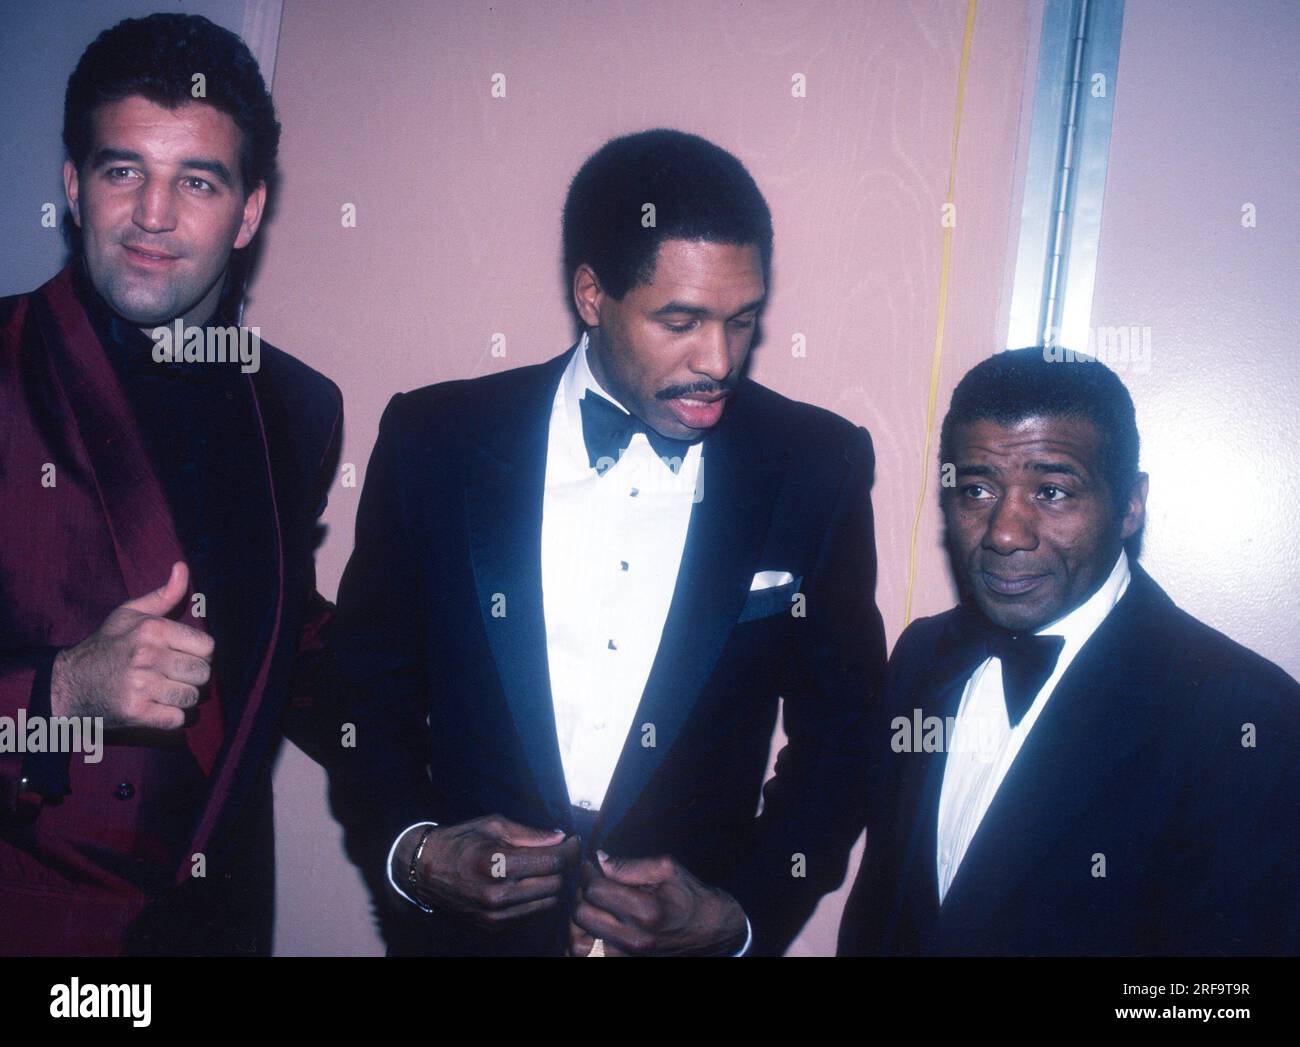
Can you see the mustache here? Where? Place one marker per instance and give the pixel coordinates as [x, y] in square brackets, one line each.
[672, 392]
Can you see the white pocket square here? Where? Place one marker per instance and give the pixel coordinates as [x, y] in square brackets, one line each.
[770, 579]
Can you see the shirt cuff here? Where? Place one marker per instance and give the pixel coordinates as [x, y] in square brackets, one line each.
[393, 850]
[749, 938]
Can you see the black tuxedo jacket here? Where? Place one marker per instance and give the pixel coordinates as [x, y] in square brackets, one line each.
[1138, 761]
[452, 703]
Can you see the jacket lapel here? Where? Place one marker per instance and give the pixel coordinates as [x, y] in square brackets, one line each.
[255, 712]
[741, 469]
[505, 486]
[133, 501]
[134, 505]
[915, 916]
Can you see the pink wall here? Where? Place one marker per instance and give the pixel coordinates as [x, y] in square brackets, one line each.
[1206, 122]
[458, 197]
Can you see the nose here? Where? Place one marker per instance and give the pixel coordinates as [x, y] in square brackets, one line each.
[711, 354]
[155, 207]
[1011, 525]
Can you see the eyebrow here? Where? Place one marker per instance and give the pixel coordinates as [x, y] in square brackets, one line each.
[1065, 468]
[683, 309]
[104, 155]
[216, 168]
[1038, 467]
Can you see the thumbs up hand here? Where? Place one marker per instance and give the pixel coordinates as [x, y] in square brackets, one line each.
[139, 669]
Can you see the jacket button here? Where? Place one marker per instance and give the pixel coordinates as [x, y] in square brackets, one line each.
[124, 790]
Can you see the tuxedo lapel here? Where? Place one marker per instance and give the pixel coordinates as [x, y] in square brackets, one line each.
[741, 468]
[505, 486]
[914, 917]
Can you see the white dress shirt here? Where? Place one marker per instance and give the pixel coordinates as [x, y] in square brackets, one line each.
[612, 542]
[611, 548]
[983, 744]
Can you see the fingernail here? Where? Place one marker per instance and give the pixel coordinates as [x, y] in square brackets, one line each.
[602, 856]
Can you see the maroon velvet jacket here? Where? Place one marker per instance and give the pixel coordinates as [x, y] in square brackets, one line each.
[94, 872]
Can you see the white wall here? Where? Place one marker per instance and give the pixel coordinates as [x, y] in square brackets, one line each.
[1207, 121]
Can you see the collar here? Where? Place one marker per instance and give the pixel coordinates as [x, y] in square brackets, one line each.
[581, 378]
[1078, 625]
[577, 380]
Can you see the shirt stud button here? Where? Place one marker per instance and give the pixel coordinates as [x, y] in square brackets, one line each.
[124, 791]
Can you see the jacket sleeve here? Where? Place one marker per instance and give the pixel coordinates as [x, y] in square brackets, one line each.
[875, 890]
[1235, 830]
[814, 804]
[377, 639]
[311, 718]
[27, 778]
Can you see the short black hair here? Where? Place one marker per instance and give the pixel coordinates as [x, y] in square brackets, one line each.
[1017, 384]
[699, 192]
[156, 57]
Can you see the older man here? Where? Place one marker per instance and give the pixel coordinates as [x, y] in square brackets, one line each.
[1067, 763]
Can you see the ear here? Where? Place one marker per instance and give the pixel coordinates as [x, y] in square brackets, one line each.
[587, 294]
[254, 208]
[72, 190]
[1135, 511]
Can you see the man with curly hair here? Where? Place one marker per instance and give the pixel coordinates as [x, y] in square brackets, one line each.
[157, 585]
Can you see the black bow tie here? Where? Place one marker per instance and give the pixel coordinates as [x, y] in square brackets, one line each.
[607, 430]
[1027, 660]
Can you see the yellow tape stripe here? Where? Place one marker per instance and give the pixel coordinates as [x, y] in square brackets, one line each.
[942, 314]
